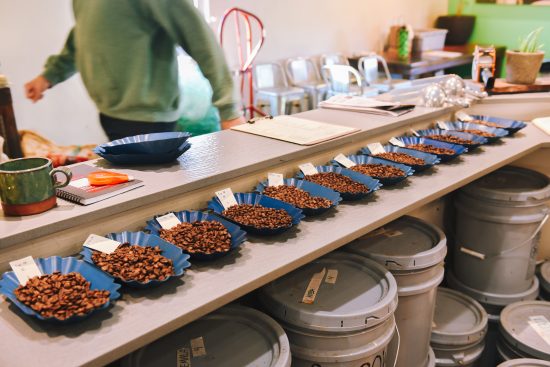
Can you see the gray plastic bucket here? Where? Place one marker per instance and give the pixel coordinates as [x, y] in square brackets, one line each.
[498, 223]
[524, 362]
[231, 336]
[413, 251]
[458, 330]
[350, 321]
[525, 331]
[544, 279]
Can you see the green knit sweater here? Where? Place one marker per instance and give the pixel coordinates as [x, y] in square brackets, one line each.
[125, 51]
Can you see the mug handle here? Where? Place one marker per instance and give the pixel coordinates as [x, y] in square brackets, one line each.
[65, 172]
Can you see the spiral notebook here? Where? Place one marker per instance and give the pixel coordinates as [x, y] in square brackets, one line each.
[81, 192]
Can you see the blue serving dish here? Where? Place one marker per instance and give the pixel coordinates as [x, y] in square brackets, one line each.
[257, 199]
[174, 253]
[459, 149]
[513, 126]
[497, 132]
[155, 143]
[313, 189]
[371, 183]
[238, 236]
[429, 159]
[135, 159]
[64, 265]
[476, 139]
[387, 181]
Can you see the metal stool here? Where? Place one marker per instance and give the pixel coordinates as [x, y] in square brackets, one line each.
[345, 80]
[303, 73]
[368, 67]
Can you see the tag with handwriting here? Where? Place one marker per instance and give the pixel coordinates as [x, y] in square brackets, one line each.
[415, 133]
[344, 161]
[308, 169]
[197, 347]
[397, 142]
[443, 125]
[227, 198]
[168, 221]
[463, 116]
[376, 148]
[313, 287]
[332, 275]
[275, 179]
[103, 244]
[25, 269]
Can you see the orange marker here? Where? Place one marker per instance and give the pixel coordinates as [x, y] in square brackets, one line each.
[102, 178]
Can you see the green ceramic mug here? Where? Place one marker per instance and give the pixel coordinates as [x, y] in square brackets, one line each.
[27, 185]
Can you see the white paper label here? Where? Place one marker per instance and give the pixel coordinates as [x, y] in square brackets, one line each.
[414, 132]
[463, 116]
[313, 287]
[275, 179]
[183, 357]
[102, 244]
[376, 148]
[332, 275]
[443, 125]
[396, 142]
[168, 221]
[25, 269]
[345, 161]
[226, 198]
[308, 169]
[80, 183]
[542, 326]
[197, 347]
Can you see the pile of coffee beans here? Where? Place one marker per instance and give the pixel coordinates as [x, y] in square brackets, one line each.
[297, 197]
[135, 263]
[486, 123]
[258, 216]
[427, 148]
[338, 182]
[450, 139]
[479, 132]
[61, 295]
[201, 237]
[401, 158]
[378, 170]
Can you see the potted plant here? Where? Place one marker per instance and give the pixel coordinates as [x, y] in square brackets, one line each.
[460, 26]
[523, 65]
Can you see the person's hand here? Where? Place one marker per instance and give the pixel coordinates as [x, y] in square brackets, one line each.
[34, 90]
[230, 123]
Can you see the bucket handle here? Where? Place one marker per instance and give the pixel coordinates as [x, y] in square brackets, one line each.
[398, 345]
[483, 256]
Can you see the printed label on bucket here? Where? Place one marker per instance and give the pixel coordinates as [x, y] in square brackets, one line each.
[183, 357]
[380, 359]
[541, 325]
[197, 347]
[313, 287]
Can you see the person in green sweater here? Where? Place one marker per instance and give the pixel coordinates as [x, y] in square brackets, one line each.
[125, 51]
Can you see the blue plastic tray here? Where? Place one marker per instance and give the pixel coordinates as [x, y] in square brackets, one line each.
[238, 236]
[459, 149]
[156, 143]
[429, 159]
[257, 199]
[174, 253]
[98, 280]
[477, 140]
[368, 181]
[127, 159]
[499, 133]
[365, 159]
[313, 189]
[513, 126]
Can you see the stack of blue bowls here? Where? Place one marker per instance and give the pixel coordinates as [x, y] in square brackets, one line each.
[146, 148]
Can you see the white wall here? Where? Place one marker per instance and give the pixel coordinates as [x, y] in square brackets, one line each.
[30, 30]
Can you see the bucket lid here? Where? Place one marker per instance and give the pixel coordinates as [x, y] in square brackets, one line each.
[524, 362]
[544, 276]
[360, 294]
[458, 319]
[494, 299]
[526, 326]
[407, 243]
[511, 183]
[214, 339]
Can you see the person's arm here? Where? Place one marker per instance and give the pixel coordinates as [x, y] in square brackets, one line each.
[57, 69]
[185, 24]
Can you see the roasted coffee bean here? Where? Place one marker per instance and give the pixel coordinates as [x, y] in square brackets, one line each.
[378, 170]
[479, 132]
[450, 139]
[258, 216]
[297, 197]
[135, 263]
[486, 123]
[401, 158]
[202, 237]
[431, 149]
[338, 182]
[61, 295]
